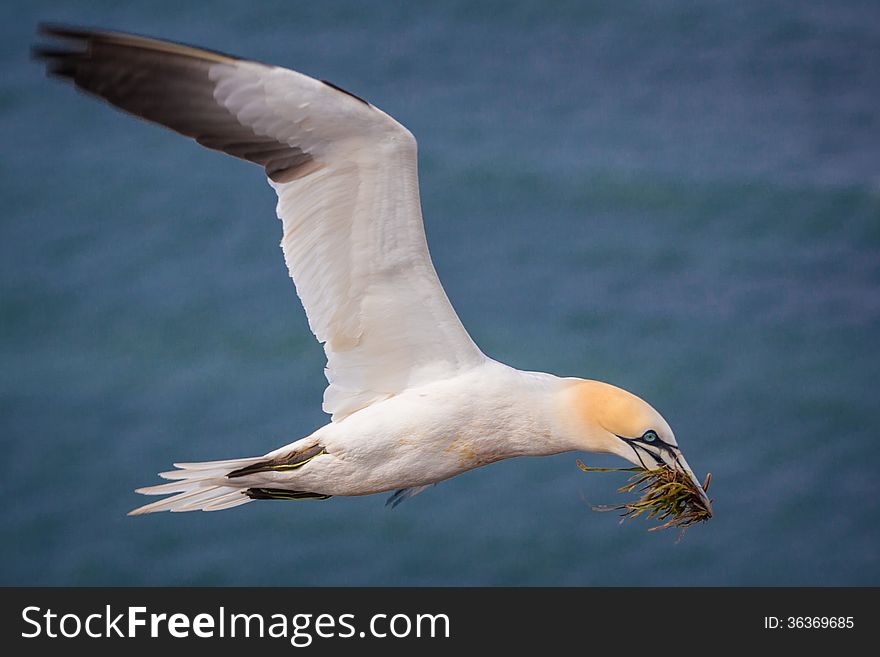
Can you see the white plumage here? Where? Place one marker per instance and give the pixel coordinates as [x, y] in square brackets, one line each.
[413, 400]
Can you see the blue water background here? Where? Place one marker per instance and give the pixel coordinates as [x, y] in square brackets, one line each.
[679, 198]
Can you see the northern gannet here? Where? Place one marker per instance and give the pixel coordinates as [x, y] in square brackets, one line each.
[412, 399]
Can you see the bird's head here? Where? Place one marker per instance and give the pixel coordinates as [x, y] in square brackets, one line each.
[608, 419]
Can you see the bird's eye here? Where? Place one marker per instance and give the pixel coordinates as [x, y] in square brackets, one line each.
[650, 436]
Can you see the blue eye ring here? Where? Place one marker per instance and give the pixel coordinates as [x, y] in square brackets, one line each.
[650, 436]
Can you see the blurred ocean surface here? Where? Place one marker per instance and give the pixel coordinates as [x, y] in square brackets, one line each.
[682, 199]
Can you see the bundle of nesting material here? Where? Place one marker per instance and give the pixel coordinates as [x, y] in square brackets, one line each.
[666, 495]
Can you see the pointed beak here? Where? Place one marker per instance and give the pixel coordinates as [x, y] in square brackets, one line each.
[676, 461]
[668, 457]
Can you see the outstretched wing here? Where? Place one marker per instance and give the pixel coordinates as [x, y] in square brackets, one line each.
[348, 197]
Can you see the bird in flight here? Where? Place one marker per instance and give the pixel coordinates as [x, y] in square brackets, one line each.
[413, 401]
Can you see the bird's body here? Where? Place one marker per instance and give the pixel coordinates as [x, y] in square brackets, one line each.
[422, 436]
[412, 399]
[430, 433]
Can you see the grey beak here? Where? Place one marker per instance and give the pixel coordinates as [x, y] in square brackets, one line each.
[677, 461]
[668, 456]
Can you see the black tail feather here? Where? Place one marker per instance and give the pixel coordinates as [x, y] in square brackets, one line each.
[281, 494]
[282, 463]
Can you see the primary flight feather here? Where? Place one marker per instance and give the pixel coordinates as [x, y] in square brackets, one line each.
[412, 399]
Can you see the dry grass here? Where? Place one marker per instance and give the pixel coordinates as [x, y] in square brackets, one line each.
[668, 496]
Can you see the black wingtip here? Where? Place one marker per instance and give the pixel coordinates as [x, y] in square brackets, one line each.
[50, 53]
[61, 60]
[44, 52]
[345, 91]
[85, 37]
[59, 63]
[47, 28]
[64, 31]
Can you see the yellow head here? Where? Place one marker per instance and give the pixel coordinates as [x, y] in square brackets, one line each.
[608, 419]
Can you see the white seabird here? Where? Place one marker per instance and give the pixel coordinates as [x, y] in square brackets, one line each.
[412, 399]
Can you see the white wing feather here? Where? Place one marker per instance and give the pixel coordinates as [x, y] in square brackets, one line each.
[353, 237]
[348, 198]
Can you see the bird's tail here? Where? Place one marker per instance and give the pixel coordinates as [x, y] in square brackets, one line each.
[199, 487]
[216, 485]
